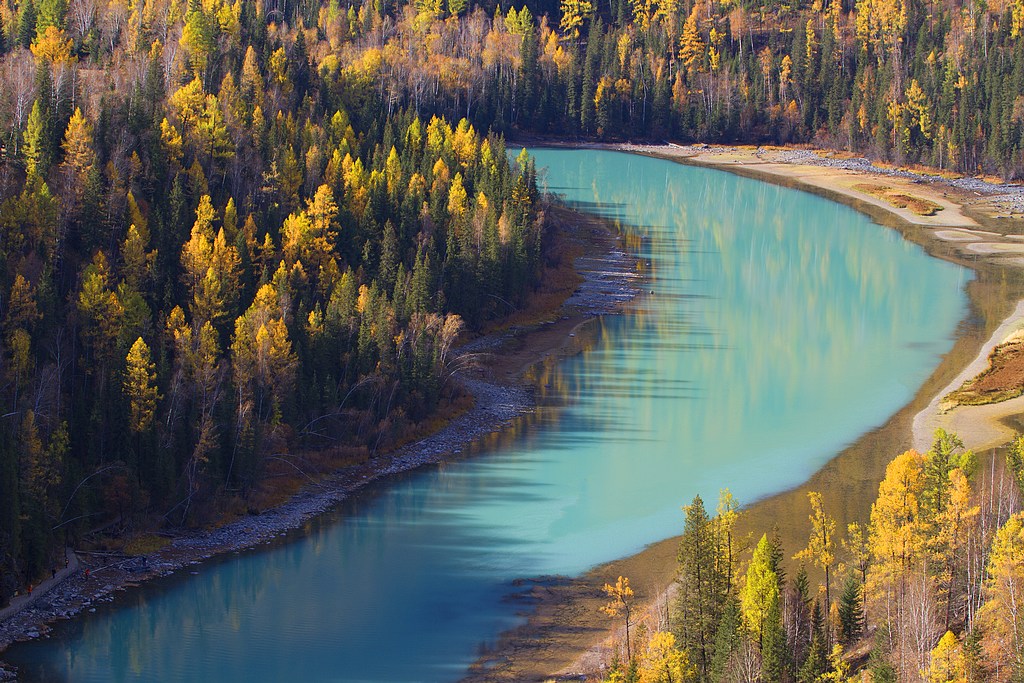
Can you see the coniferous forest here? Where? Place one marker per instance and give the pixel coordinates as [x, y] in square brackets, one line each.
[235, 231]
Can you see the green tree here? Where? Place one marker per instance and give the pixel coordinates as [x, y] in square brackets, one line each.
[702, 586]
[851, 610]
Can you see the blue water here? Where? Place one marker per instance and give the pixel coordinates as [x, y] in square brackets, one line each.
[780, 328]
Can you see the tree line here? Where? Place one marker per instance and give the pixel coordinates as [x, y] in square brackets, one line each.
[216, 260]
[905, 80]
[928, 589]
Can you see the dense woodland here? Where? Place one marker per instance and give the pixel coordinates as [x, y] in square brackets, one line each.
[215, 256]
[929, 589]
[232, 232]
[906, 80]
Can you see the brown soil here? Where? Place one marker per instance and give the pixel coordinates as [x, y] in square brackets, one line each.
[1003, 380]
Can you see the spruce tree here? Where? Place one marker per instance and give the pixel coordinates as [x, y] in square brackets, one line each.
[702, 587]
[851, 610]
[727, 638]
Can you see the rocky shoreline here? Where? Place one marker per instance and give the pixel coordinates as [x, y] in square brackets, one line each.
[609, 280]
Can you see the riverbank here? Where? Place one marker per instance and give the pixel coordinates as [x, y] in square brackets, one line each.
[979, 426]
[567, 637]
[588, 274]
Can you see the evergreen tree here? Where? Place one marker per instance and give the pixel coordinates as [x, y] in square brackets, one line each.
[851, 610]
[702, 589]
[727, 638]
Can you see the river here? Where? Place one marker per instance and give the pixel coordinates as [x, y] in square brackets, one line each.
[779, 327]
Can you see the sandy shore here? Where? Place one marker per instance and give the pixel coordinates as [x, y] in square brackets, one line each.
[976, 225]
[980, 426]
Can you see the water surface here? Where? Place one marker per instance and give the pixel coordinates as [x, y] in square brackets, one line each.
[780, 327]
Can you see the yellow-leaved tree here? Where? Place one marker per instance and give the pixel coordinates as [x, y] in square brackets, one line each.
[691, 45]
[140, 386]
[574, 13]
[898, 543]
[948, 664]
[79, 156]
[1000, 616]
[663, 662]
[620, 602]
[821, 543]
[760, 591]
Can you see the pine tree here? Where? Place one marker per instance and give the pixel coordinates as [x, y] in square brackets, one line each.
[774, 657]
[1015, 461]
[727, 639]
[817, 656]
[851, 611]
[27, 18]
[703, 587]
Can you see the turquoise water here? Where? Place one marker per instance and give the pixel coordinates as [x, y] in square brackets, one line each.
[780, 328]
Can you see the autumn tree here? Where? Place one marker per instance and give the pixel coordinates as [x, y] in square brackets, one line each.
[140, 386]
[79, 155]
[620, 601]
[760, 590]
[1000, 618]
[820, 548]
[947, 661]
[662, 661]
[574, 13]
[898, 546]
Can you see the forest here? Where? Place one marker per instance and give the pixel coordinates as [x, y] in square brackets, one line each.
[936, 83]
[929, 589]
[237, 232]
[219, 266]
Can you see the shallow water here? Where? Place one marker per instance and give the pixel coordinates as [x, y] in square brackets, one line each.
[781, 327]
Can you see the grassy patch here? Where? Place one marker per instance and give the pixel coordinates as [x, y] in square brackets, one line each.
[901, 200]
[145, 544]
[966, 397]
